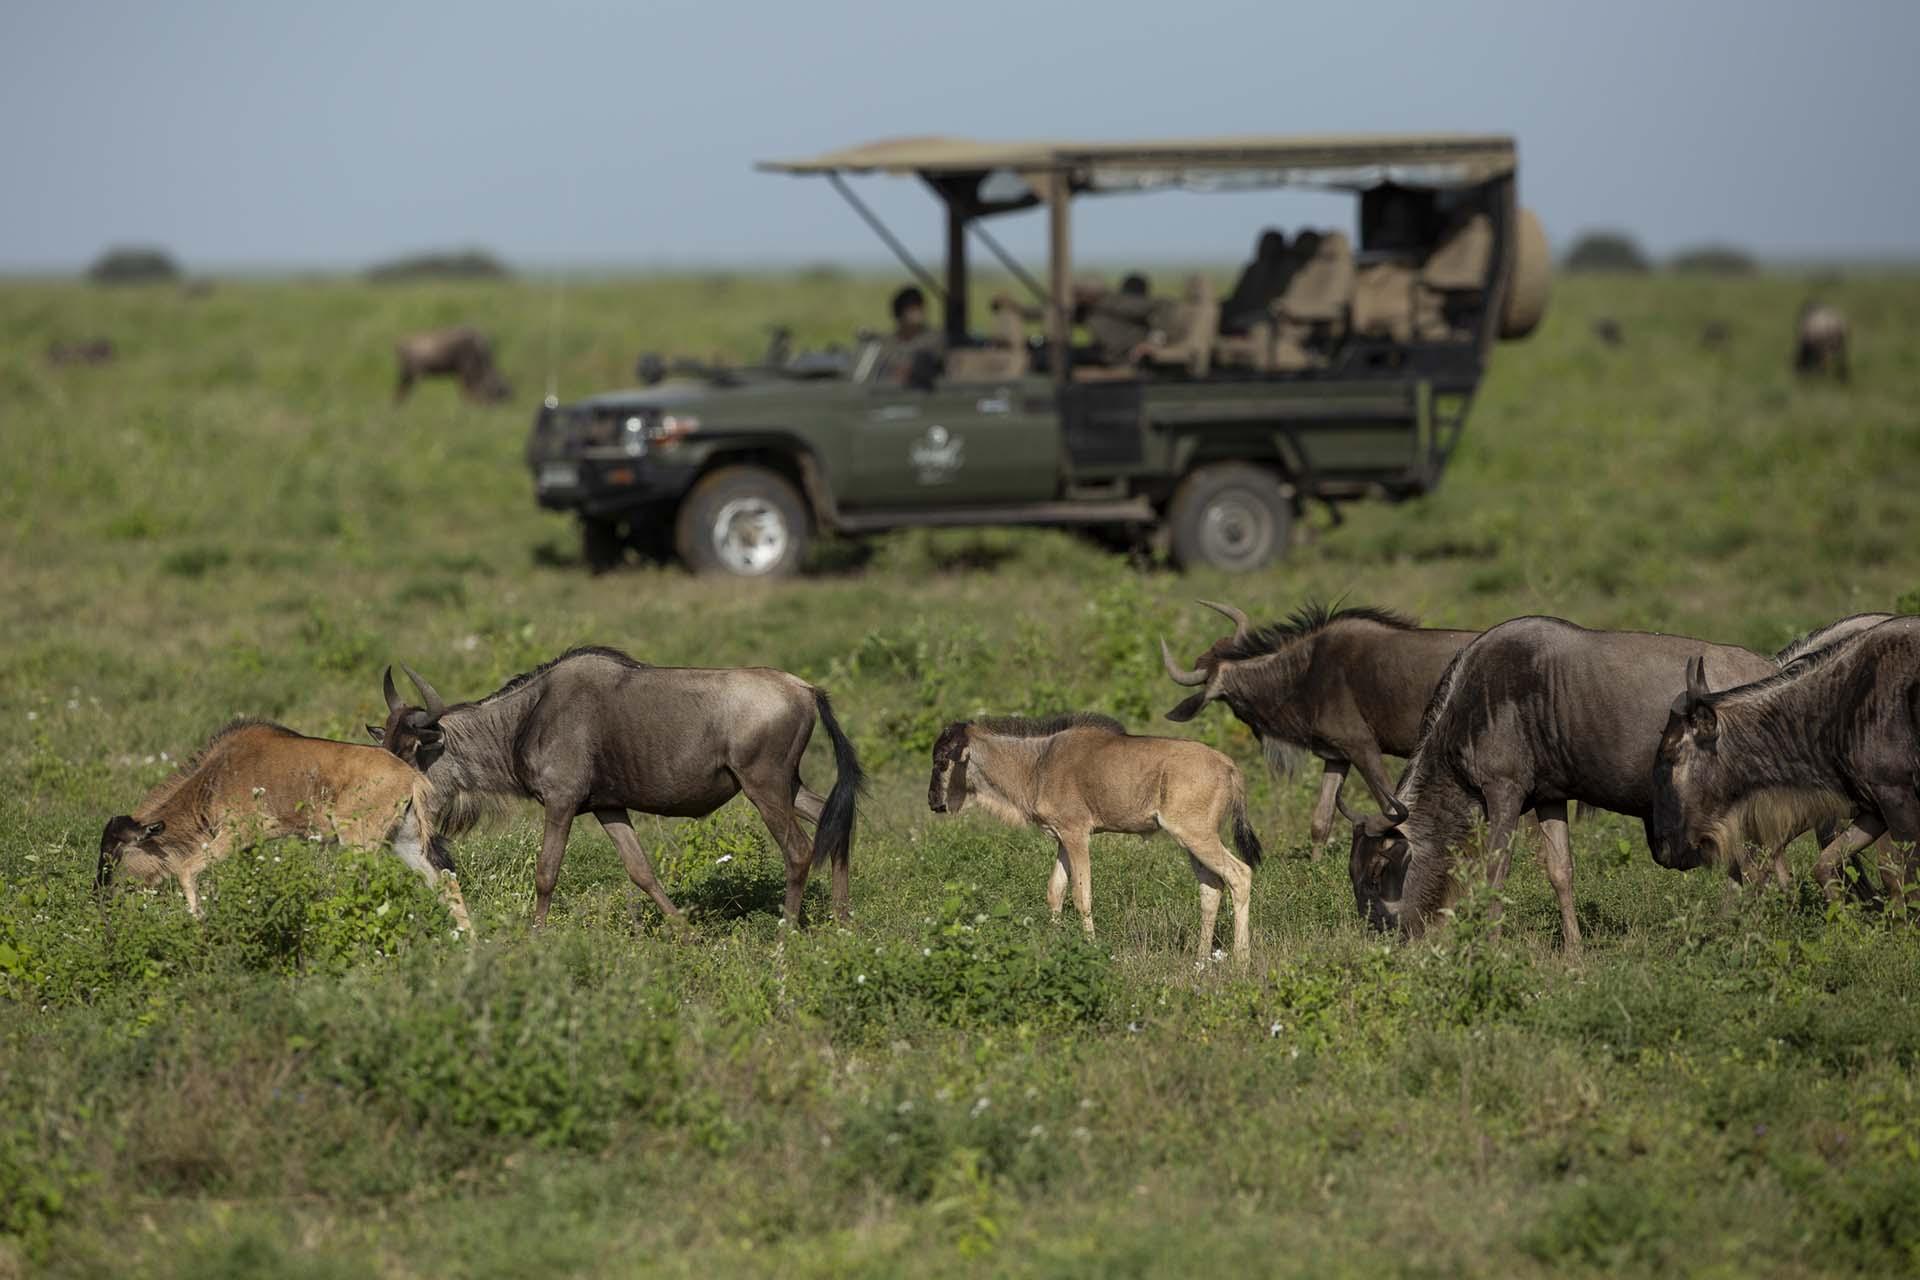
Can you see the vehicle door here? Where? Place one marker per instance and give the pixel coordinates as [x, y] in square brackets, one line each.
[974, 444]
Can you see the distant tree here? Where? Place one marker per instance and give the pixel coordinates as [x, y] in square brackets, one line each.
[134, 264]
[452, 264]
[1713, 260]
[1606, 251]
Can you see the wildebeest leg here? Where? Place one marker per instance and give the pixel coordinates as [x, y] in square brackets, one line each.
[405, 384]
[553, 848]
[1331, 780]
[778, 812]
[1863, 831]
[1503, 820]
[1210, 885]
[807, 802]
[1558, 855]
[190, 886]
[640, 867]
[1074, 845]
[1057, 882]
[1782, 873]
[1374, 769]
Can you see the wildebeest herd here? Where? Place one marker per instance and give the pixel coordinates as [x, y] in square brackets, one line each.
[1725, 755]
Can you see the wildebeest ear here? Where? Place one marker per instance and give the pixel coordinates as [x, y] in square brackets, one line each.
[378, 733]
[1189, 708]
[1703, 723]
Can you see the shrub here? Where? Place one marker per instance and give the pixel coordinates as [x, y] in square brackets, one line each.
[1606, 251]
[1713, 260]
[970, 965]
[140, 264]
[455, 264]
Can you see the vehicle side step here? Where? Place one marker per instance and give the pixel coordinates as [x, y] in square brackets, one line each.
[1130, 510]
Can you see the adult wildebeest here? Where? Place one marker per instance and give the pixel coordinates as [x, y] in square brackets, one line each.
[255, 779]
[460, 352]
[1716, 335]
[1835, 735]
[594, 731]
[1077, 774]
[1608, 330]
[1535, 713]
[87, 351]
[1348, 685]
[1820, 341]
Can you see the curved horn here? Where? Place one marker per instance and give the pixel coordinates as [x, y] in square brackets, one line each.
[435, 707]
[1175, 674]
[394, 702]
[1233, 615]
[1340, 803]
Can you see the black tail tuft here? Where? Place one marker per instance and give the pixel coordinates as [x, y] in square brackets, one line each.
[833, 838]
[1244, 840]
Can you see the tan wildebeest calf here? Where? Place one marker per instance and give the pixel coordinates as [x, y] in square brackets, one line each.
[1074, 775]
[257, 780]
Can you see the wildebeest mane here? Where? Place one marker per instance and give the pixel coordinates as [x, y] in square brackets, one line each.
[526, 678]
[1311, 617]
[1046, 726]
[1822, 637]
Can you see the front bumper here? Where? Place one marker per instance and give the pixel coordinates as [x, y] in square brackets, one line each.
[604, 486]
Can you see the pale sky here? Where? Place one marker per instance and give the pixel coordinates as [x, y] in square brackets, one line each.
[332, 134]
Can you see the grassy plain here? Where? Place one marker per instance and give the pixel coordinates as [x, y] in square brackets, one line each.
[231, 518]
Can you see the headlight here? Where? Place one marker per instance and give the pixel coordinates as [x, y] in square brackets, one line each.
[633, 436]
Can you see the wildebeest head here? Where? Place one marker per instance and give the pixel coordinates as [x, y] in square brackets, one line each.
[1686, 824]
[1377, 865]
[128, 841]
[412, 733]
[1209, 671]
[947, 788]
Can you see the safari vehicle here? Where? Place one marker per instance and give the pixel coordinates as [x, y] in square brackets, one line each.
[1352, 381]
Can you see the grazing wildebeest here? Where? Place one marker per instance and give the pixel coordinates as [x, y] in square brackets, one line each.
[460, 352]
[1834, 735]
[1077, 774]
[1535, 713]
[1608, 331]
[1820, 341]
[1348, 685]
[594, 731]
[87, 351]
[1715, 335]
[258, 780]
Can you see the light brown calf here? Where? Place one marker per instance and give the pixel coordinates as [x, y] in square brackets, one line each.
[256, 780]
[1075, 775]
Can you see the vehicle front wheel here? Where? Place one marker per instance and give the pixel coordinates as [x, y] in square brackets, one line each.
[1229, 516]
[745, 521]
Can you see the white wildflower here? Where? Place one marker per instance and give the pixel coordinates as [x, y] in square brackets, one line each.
[1218, 955]
[470, 643]
[980, 1106]
[1038, 1131]
[1133, 1028]
[723, 858]
[33, 715]
[904, 1108]
[1081, 1133]
[73, 704]
[860, 980]
[1273, 1032]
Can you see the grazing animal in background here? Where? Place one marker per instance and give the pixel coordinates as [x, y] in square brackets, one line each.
[461, 352]
[1348, 685]
[1834, 735]
[1078, 774]
[594, 731]
[1716, 335]
[1820, 341]
[1535, 713]
[1607, 330]
[88, 351]
[258, 780]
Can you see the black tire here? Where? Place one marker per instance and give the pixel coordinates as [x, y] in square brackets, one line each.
[1229, 516]
[743, 521]
[601, 545]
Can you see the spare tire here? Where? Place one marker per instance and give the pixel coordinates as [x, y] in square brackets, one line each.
[1532, 280]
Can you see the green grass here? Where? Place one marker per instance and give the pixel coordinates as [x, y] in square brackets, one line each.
[233, 519]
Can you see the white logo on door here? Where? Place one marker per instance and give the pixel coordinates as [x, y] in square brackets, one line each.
[937, 455]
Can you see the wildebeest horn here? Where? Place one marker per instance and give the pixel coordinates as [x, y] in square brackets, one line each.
[435, 707]
[1233, 615]
[1174, 673]
[394, 701]
[1340, 803]
[1697, 678]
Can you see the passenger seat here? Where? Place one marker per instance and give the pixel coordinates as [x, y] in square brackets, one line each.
[1313, 310]
[1453, 280]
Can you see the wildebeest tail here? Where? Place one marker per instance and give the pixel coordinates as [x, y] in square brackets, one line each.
[833, 838]
[1245, 842]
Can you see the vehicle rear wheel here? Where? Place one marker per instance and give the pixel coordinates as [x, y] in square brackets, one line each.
[744, 521]
[1229, 516]
[601, 545]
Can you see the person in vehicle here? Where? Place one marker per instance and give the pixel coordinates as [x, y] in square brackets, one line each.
[1119, 322]
[915, 351]
[1259, 284]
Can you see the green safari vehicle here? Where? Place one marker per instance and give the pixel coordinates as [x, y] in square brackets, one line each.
[1338, 369]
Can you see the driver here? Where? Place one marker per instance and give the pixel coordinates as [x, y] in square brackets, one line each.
[913, 344]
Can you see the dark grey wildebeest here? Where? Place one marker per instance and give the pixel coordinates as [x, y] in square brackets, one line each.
[1820, 341]
[1834, 735]
[1347, 685]
[459, 352]
[596, 732]
[1077, 774]
[1535, 713]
